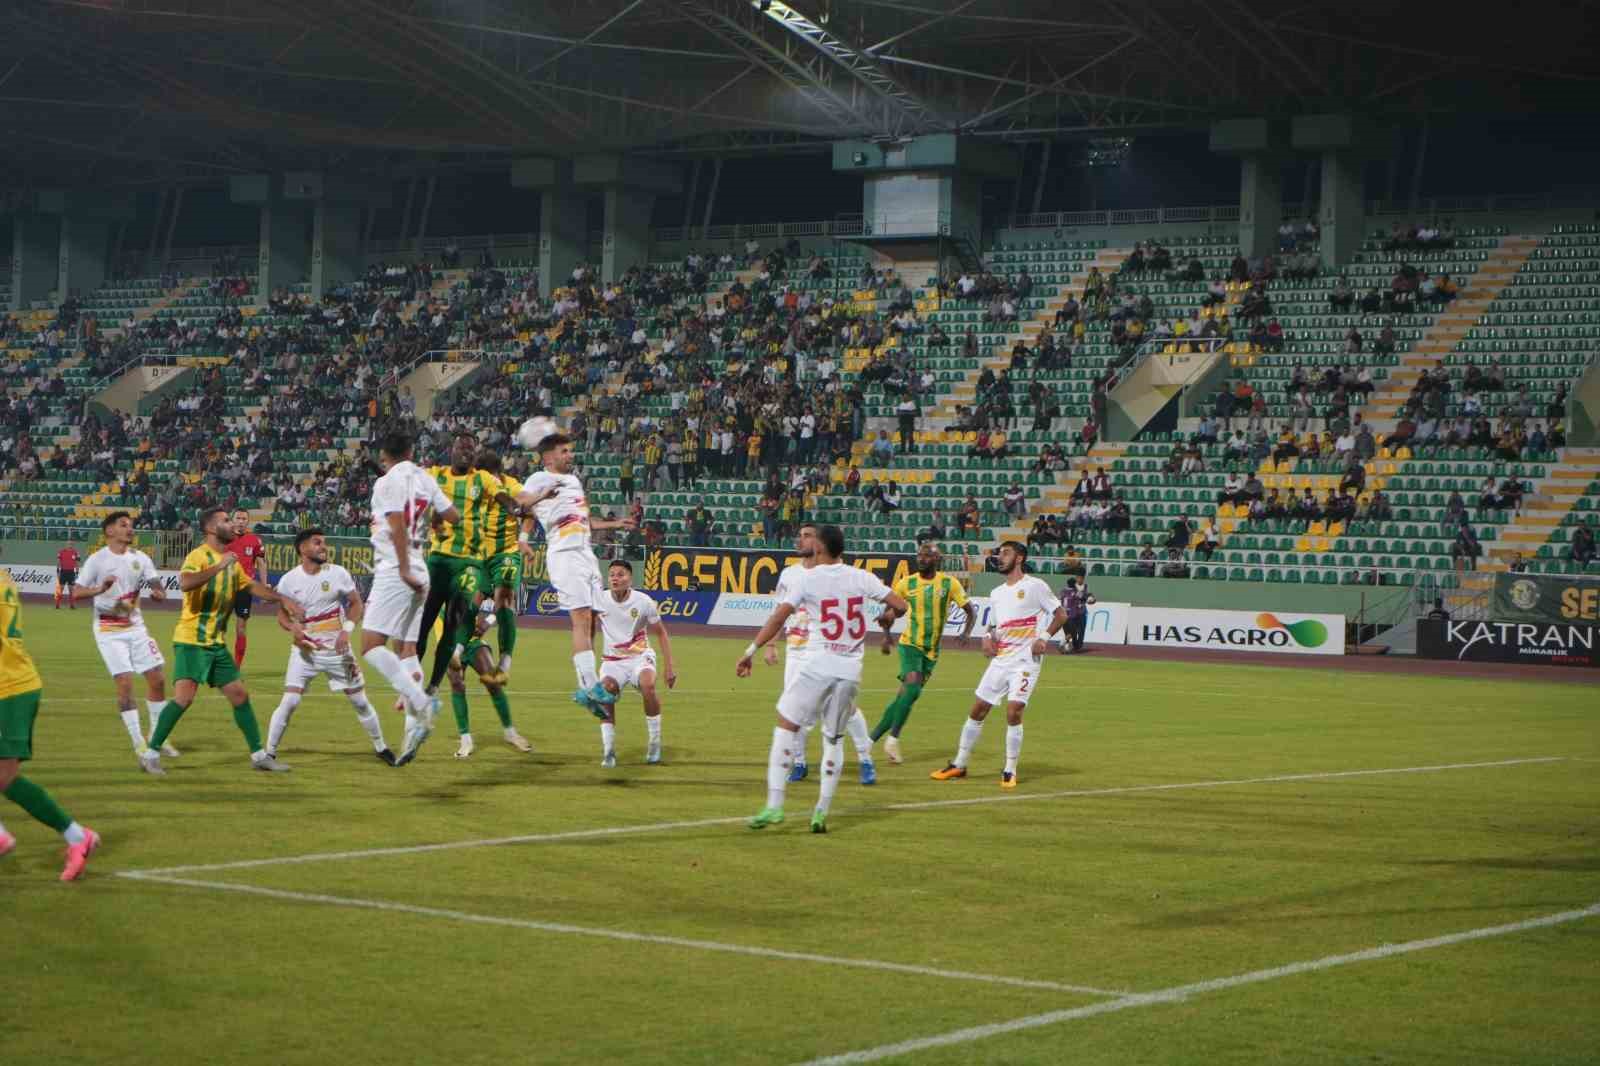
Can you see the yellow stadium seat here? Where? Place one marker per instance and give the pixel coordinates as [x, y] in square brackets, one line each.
[1317, 528]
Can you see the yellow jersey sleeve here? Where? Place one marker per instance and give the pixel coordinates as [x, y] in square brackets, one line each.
[958, 592]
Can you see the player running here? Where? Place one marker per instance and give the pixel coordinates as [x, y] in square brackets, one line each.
[556, 497]
[115, 577]
[211, 579]
[628, 618]
[797, 634]
[252, 556]
[20, 689]
[505, 550]
[333, 608]
[1016, 649]
[455, 554]
[834, 597]
[66, 575]
[402, 501]
[480, 658]
[930, 594]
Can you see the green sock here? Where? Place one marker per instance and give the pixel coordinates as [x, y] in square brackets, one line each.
[907, 701]
[39, 803]
[891, 715]
[506, 630]
[244, 716]
[166, 723]
[502, 706]
[458, 704]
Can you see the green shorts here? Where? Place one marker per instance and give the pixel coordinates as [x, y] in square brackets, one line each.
[462, 577]
[914, 661]
[16, 724]
[204, 664]
[505, 571]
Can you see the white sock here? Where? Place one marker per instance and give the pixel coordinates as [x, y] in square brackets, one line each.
[799, 739]
[387, 663]
[608, 736]
[74, 833]
[856, 726]
[280, 719]
[155, 707]
[130, 722]
[832, 764]
[413, 668]
[779, 759]
[583, 662]
[970, 732]
[1013, 746]
[367, 718]
[652, 725]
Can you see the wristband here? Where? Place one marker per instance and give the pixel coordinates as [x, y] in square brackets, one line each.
[349, 626]
[750, 651]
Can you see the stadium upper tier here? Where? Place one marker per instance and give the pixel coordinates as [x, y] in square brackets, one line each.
[283, 397]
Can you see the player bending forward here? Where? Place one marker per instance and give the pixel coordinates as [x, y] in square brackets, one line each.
[402, 500]
[116, 577]
[556, 498]
[333, 608]
[1016, 648]
[797, 634]
[628, 618]
[476, 653]
[834, 596]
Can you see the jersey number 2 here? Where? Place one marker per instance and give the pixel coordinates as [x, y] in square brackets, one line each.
[835, 625]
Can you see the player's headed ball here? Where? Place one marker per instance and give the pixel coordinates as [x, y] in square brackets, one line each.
[535, 431]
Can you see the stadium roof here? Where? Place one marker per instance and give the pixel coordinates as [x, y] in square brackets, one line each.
[107, 91]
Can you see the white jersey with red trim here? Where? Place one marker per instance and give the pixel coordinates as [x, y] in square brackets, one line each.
[117, 609]
[1021, 613]
[407, 490]
[322, 596]
[834, 597]
[797, 630]
[624, 623]
[564, 516]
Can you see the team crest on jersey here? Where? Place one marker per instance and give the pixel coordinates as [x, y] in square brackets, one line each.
[633, 612]
[1019, 594]
[137, 566]
[324, 586]
[474, 490]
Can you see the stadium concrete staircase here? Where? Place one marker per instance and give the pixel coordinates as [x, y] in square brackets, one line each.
[1549, 502]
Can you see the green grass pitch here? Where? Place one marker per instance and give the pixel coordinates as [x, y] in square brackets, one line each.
[692, 939]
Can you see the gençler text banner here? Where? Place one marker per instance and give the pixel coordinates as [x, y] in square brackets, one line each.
[746, 572]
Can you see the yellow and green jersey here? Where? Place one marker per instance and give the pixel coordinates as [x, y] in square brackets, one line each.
[928, 603]
[470, 494]
[501, 527]
[206, 609]
[17, 672]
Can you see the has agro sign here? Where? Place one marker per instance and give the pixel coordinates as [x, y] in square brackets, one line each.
[748, 572]
[1530, 643]
[1288, 634]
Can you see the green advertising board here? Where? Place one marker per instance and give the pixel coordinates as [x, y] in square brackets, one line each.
[1547, 598]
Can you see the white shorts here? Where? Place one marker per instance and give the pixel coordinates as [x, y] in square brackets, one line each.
[626, 672]
[394, 609]
[576, 577]
[343, 671]
[1009, 680]
[132, 651]
[814, 699]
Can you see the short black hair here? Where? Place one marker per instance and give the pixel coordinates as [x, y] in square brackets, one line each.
[554, 440]
[832, 538]
[112, 519]
[624, 564]
[489, 459]
[305, 535]
[207, 513]
[396, 444]
[1016, 546]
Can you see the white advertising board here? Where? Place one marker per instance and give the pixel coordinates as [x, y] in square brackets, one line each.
[1266, 631]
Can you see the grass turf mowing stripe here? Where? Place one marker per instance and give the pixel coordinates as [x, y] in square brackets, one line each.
[1182, 992]
[626, 935]
[701, 823]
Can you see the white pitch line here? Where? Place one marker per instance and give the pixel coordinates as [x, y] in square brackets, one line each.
[1182, 992]
[1279, 778]
[701, 823]
[625, 935]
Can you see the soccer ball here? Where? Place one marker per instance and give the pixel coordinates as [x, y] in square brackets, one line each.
[535, 430]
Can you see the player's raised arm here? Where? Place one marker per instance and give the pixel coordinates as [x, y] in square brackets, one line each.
[769, 629]
[272, 595]
[189, 580]
[158, 589]
[658, 629]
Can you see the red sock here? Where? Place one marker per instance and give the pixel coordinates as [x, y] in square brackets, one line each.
[238, 650]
